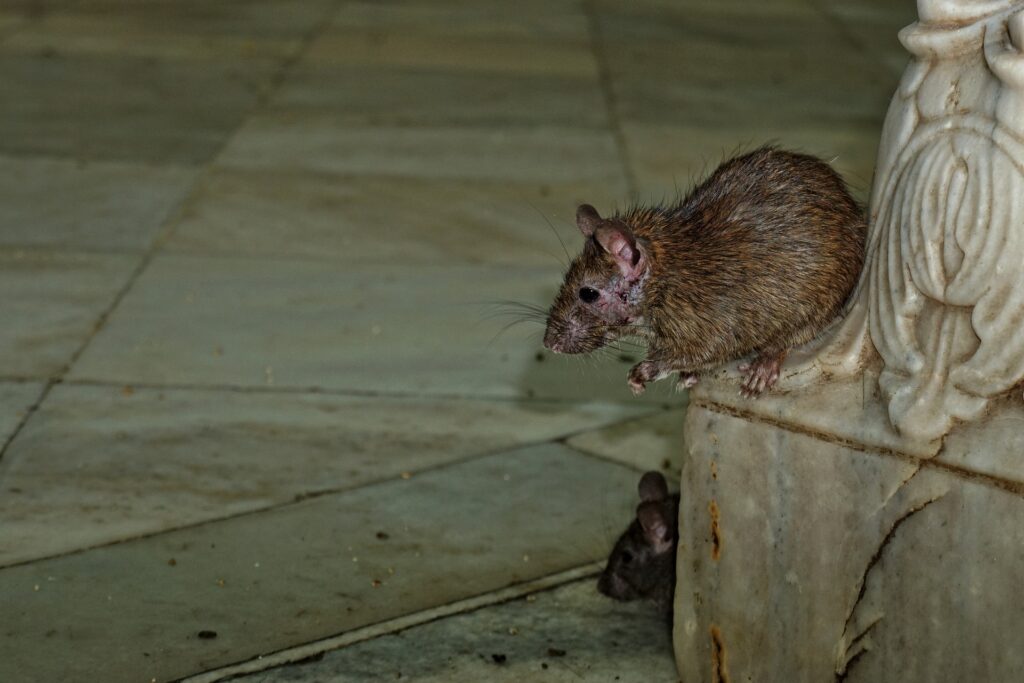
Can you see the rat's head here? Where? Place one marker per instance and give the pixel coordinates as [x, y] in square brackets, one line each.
[642, 564]
[603, 287]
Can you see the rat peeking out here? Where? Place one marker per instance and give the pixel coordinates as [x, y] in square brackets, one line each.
[642, 564]
[757, 259]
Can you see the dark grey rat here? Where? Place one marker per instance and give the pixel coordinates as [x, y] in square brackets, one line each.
[757, 259]
[642, 564]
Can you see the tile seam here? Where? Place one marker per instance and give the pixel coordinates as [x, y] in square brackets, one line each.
[301, 498]
[333, 392]
[297, 653]
[607, 90]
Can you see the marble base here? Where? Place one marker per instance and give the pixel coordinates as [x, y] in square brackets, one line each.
[808, 557]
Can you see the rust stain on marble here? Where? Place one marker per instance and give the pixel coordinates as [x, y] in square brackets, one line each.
[716, 535]
[719, 671]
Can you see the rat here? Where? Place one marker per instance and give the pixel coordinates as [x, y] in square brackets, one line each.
[757, 259]
[642, 565]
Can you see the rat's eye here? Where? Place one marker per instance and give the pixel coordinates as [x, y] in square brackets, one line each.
[589, 295]
[627, 557]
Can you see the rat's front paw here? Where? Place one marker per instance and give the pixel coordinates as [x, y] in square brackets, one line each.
[640, 375]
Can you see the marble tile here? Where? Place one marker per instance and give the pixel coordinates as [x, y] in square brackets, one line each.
[428, 49]
[874, 26]
[244, 17]
[290, 142]
[123, 108]
[735, 9]
[303, 324]
[371, 95]
[10, 21]
[363, 220]
[108, 35]
[262, 582]
[571, 633]
[51, 302]
[102, 205]
[527, 19]
[703, 67]
[175, 29]
[732, 23]
[784, 88]
[646, 443]
[15, 400]
[100, 464]
[670, 158]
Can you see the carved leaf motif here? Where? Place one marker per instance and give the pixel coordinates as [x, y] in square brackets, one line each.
[945, 280]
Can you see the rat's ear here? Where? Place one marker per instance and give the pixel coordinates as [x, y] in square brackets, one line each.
[587, 219]
[653, 487]
[656, 528]
[618, 241]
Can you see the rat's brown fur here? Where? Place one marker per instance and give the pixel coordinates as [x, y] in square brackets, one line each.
[757, 259]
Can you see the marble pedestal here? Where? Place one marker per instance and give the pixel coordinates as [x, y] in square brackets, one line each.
[808, 555]
[865, 522]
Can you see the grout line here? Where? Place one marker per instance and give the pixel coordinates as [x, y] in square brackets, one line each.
[47, 156]
[672, 473]
[611, 102]
[273, 84]
[53, 381]
[397, 625]
[664, 404]
[58, 250]
[254, 256]
[301, 498]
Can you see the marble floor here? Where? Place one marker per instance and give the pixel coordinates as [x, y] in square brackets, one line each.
[262, 412]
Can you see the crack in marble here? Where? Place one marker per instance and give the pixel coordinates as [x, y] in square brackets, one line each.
[843, 665]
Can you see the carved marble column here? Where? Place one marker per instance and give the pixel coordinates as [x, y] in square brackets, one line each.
[866, 521]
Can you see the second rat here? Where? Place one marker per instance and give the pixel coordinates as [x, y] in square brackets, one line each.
[642, 565]
[757, 259]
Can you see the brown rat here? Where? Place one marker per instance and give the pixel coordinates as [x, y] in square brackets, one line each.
[757, 259]
[642, 564]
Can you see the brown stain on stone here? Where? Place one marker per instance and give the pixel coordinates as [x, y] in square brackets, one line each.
[716, 535]
[719, 671]
[714, 470]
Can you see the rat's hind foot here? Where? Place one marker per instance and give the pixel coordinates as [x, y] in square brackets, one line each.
[687, 380]
[762, 373]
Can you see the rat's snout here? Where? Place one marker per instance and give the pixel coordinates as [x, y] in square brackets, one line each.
[553, 340]
[612, 586]
[572, 335]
